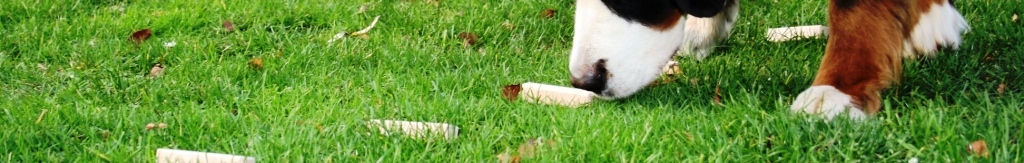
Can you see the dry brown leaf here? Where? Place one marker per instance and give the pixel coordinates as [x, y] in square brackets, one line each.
[104, 134]
[978, 148]
[669, 72]
[228, 26]
[141, 35]
[156, 71]
[718, 96]
[511, 92]
[256, 63]
[548, 13]
[468, 39]
[1001, 89]
[1014, 18]
[668, 79]
[150, 126]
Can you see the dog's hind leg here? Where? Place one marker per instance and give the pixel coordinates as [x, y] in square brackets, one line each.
[703, 34]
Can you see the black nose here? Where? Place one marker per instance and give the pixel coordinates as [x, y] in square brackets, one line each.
[594, 79]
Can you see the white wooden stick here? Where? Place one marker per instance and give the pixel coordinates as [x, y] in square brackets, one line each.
[797, 32]
[164, 155]
[552, 94]
[416, 129]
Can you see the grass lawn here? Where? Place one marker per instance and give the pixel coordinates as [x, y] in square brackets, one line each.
[75, 88]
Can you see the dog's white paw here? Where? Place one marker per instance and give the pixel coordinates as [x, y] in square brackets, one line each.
[941, 26]
[826, 101]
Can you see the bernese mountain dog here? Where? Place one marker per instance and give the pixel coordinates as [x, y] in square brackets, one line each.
[619, 46]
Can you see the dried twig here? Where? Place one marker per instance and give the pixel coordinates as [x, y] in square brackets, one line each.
[367, 29]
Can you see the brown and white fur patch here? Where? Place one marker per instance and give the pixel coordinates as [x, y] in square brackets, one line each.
[701, 35]
[620, 46]
[863, 56]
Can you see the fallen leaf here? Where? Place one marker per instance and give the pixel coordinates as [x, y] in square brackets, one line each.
[468, 39]
[1001, 89]
[1014, 18]
[548, 13]
[508, 25]
[978, 148]
[367, 29]
[511, 92]
[161, 125]
[156, 71]
[150, 126]
[141, 35]
[256, 63]
[667, 79]
[104, 134]
[228, 26]
[718, 96]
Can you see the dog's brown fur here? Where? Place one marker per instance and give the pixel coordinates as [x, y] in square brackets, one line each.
[863, 54]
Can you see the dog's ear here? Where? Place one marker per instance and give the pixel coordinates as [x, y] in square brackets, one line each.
[701, 8]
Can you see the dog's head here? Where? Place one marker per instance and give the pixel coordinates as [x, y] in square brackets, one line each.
[619, 46]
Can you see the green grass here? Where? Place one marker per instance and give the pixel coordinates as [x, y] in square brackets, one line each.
[97, 97]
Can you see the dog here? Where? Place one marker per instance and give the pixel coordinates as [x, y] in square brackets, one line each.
[619, 46]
